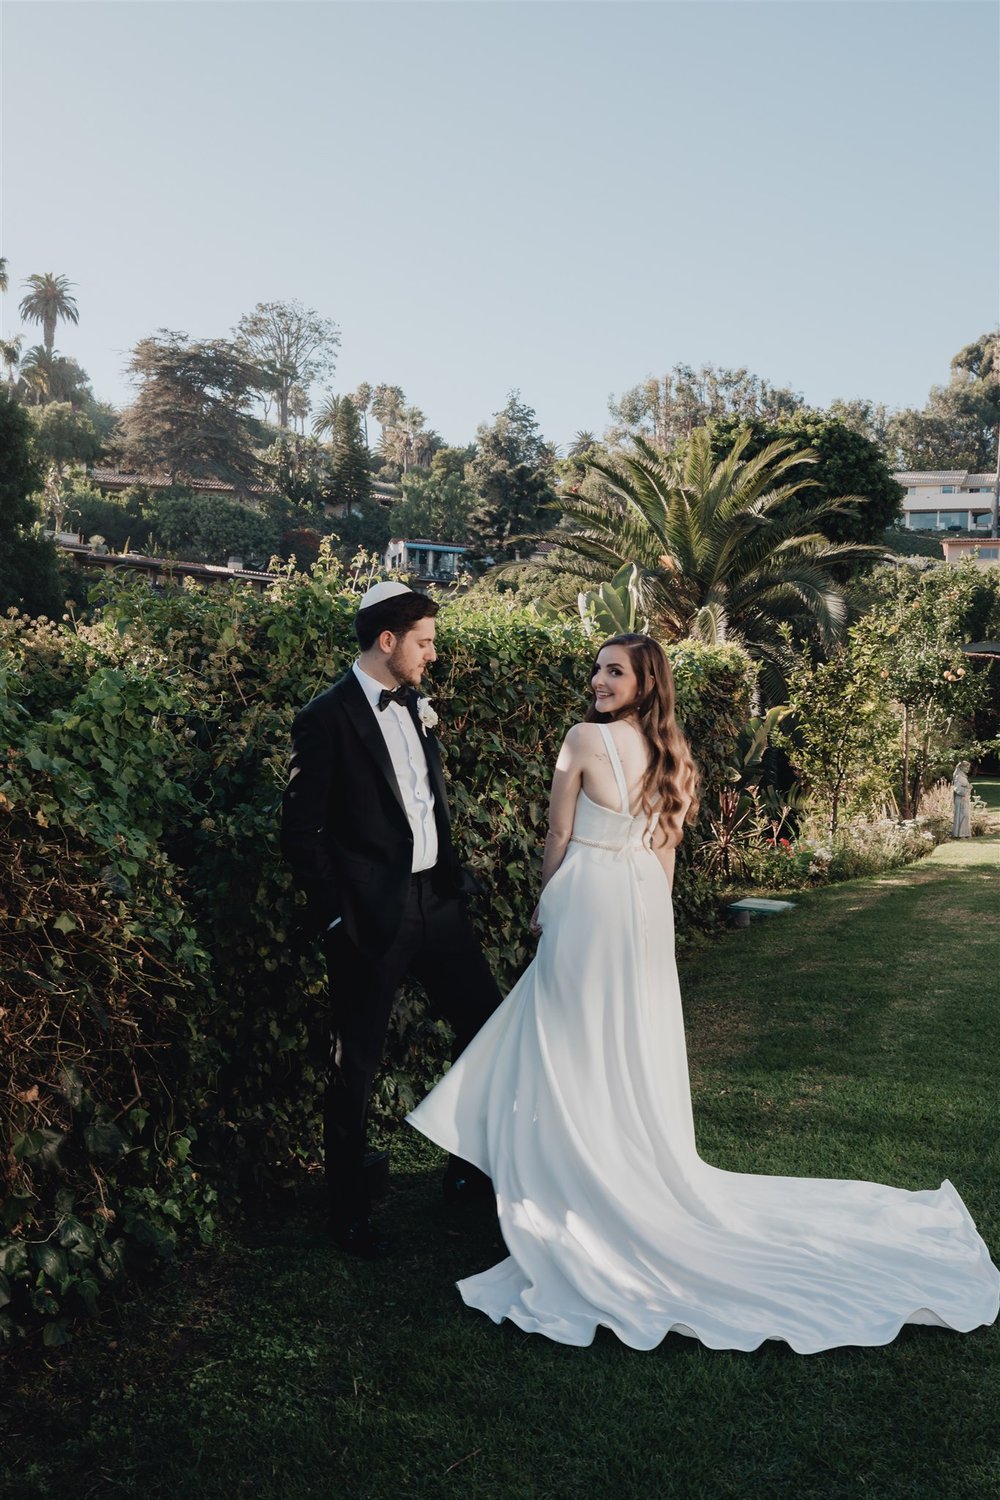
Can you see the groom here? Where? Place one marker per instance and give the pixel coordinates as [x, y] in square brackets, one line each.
[365, 827]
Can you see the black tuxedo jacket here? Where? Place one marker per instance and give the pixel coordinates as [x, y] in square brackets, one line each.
[344, 828]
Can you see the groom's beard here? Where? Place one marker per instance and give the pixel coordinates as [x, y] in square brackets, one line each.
[404, 675]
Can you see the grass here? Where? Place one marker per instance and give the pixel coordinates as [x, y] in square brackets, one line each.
[855, 1037]
[988, 788]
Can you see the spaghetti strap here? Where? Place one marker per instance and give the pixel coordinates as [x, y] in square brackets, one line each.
[616, 766]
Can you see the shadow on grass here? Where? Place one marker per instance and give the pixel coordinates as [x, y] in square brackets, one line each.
[864, 1046]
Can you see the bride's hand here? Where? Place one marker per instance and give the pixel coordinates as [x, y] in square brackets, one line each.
[536, 931]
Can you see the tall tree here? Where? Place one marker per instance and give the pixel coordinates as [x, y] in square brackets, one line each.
[298, 406]
[29, 578]
[667, 410]
[63, 435]
[387, 402]
[407, 440]
[435, 507]
[10, 353]
[46, 302]
[351, 481]
[191, 418]
[301, 470]
[325, 419]
[291, 344]
[510, 474]
[362, 399]
[959, 427]
[54, 377]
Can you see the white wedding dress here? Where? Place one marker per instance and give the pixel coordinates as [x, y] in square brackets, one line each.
[574, 1099]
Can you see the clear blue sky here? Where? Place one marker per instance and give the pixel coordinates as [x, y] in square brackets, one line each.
[560, 197]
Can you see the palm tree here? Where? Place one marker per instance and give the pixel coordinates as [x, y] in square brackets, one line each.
[581, 444]
[10, 353]
[298, 406]
[727, 549]
[36, 375]
[325, 420]
[4, 281]
[47, 302]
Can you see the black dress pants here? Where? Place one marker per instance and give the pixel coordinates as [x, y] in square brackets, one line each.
[437, 946]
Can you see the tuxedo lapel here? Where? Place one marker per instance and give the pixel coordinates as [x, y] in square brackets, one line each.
[360, 713]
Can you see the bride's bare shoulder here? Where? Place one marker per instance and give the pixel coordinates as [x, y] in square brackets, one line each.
[582, 740]
[584, 735]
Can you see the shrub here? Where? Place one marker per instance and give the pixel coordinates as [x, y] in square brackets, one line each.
[858, 848]
[207, 528]
[105, 1027]
[121, 521]
[164, 1022]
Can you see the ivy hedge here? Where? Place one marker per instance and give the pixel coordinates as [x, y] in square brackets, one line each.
[161, 1014]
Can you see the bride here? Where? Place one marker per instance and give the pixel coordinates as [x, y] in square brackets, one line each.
[574, 1098]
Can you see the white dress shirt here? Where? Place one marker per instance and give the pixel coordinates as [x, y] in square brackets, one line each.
[409, 762]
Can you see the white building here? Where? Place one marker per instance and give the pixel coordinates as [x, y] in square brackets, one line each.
[433, 562]
[947, 500]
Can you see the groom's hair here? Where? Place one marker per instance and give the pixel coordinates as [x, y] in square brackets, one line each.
[399, 614]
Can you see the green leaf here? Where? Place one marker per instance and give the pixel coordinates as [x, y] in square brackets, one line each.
[4, 1290]
[14, 1210]
[56, 1333]
[74, 1234]
[65, 922]
[52, 1260]
[14, 1258]
[39, 1146]
[104, 1139]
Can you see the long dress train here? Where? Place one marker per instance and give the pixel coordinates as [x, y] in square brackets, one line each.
[574, 1098]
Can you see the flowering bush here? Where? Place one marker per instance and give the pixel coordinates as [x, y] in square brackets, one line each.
[858, 848]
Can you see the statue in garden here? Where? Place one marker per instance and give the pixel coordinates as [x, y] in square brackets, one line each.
[961, 825]
[574, 1100]
[365, 827]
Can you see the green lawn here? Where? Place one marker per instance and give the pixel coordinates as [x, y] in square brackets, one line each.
[855, 1036]
[988, 788]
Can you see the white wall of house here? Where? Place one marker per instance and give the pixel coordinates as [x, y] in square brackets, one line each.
[947, 499]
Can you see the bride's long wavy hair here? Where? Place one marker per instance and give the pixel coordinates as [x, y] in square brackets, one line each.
[672, 776]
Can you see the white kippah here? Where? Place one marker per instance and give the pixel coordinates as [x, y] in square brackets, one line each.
[380, 591]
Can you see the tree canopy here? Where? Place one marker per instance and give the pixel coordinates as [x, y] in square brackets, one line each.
[664, 410]
[959, 427]
[28, 576]
[191, 418]
[47, 300]
[510, 475]
[291, 345]
[727, 547]
[845, 463]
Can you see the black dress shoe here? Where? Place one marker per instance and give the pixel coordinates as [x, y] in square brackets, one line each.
[360, 1237]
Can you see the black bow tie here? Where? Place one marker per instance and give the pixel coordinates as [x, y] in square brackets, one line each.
[400, 696]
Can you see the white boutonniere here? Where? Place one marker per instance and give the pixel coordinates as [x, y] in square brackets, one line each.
[428, 718]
